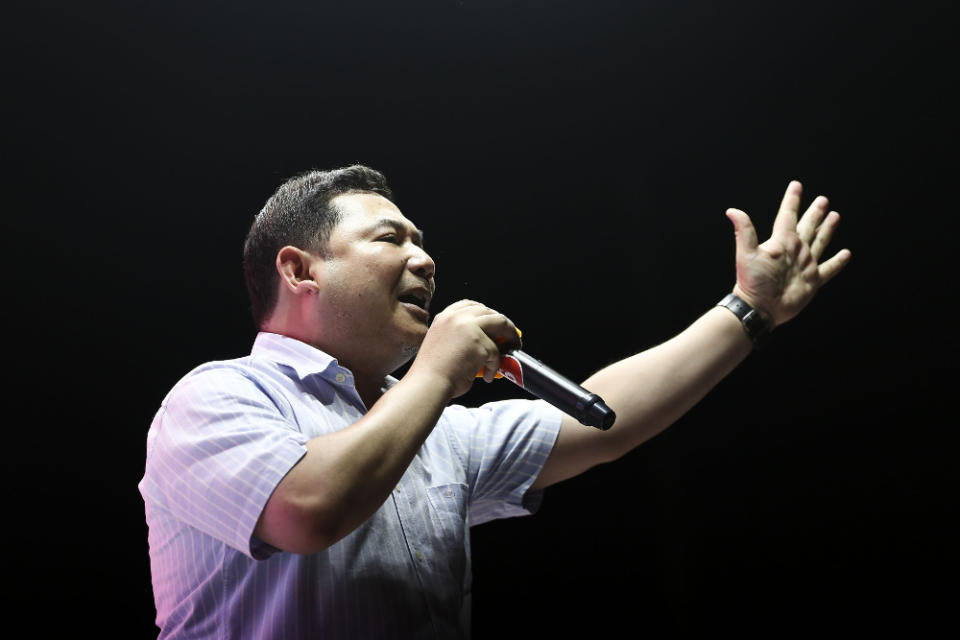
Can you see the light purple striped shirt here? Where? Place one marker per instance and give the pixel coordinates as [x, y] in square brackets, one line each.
[229, 431]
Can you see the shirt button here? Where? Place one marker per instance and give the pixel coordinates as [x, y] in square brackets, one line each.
[418, 554]
[340, 377]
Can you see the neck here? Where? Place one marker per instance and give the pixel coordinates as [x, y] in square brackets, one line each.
[369, 365]
[369, 389]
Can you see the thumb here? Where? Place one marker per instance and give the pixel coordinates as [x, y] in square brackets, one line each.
[746, 235]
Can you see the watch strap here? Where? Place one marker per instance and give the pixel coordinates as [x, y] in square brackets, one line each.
[754, 323]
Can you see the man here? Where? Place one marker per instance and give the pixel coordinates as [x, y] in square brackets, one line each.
[302, 492]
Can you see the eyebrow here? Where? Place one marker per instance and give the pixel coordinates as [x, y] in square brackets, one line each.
[416, 234]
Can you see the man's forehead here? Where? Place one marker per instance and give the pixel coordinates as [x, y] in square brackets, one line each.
[370, 209]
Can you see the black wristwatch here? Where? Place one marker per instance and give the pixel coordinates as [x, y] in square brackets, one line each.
[755, 324]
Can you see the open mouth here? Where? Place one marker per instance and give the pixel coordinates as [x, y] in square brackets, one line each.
[419, 298]
[414, 300]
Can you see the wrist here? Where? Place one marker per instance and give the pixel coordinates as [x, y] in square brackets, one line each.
[756, 323]
[756, 304]
[431, 382]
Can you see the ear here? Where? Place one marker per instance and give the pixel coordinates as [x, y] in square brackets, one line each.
[294, 266]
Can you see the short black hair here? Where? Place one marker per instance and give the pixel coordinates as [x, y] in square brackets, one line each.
[298, 214]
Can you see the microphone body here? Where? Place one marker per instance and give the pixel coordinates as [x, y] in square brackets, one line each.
[545, 383]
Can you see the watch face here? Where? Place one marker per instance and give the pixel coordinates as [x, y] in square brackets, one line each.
[756, 327]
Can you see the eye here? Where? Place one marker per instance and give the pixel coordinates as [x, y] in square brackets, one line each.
[389, 237]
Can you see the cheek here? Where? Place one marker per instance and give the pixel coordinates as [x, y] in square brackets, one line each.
[367, 280]
[356, 294]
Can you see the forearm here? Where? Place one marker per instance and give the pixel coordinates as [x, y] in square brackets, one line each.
[345, 476]
[651, 390]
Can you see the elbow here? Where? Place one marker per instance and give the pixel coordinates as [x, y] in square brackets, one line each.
[609, 448]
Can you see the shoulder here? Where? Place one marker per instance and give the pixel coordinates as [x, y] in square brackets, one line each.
[218, 380]
[242, 392]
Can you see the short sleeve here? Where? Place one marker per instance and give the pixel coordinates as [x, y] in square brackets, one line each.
[218, 447]
[504, 445]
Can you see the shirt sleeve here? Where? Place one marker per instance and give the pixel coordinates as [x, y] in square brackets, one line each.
[218, 447]
[505, 445]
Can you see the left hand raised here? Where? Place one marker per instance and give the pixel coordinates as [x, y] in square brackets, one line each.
[780, 276]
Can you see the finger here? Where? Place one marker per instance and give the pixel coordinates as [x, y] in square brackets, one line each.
[492, 363]
[744, 231]
[834, 265]
[501, 330]
[470, 309]
[823, 235]
[465, 302]
[786, 221]
[493, 323]
[456, 308]
[807, 227]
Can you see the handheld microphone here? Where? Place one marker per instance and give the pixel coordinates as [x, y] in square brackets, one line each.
[529, 373]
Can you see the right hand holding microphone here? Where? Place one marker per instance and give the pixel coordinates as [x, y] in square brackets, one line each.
[464, 338]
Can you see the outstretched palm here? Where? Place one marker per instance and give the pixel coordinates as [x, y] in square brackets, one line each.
[780, 276]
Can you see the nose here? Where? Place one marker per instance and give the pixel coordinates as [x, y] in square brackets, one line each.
[421, 263]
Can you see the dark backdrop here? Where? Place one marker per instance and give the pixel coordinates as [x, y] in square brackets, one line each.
[571, 163]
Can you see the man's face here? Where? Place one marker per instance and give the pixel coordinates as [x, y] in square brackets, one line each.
[376, 282]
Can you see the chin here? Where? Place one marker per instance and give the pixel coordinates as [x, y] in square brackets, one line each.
[403, 357]
[408, 346]
[411, 345]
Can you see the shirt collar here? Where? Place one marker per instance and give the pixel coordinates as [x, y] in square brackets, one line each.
[305, 359]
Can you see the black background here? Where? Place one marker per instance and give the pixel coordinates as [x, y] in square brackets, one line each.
[570, 163]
